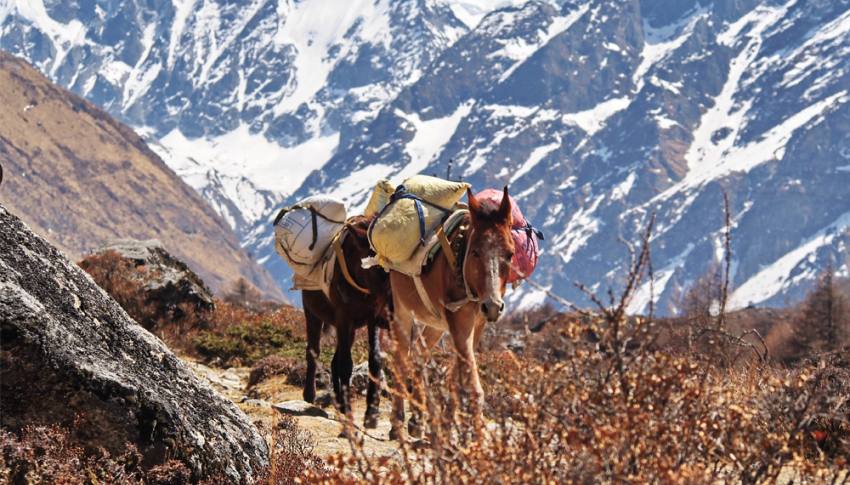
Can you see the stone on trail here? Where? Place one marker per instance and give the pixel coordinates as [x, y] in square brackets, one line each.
[70, 356]
[300, 408]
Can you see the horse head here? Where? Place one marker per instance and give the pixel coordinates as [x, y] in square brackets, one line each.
[490, 250]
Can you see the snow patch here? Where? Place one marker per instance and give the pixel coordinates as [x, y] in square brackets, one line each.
[582, 226]
[594, 119]
[665, 123]
[429, 138]
[64, 36]
[240, 153]
[771, 280]
[534, 158]
[622, 189]
[659, 43]
[471, 12]
[316, 26]
[519, 50]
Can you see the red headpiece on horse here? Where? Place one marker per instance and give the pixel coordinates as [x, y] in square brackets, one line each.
[526, 243]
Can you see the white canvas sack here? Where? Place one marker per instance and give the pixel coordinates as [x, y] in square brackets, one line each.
[304, 231]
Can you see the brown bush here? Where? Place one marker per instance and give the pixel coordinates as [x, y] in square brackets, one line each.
[44, 454]
[275, 365]
[292, 459]
[120, 278]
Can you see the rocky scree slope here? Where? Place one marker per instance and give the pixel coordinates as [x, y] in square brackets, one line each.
[71, 356]
[82, 179]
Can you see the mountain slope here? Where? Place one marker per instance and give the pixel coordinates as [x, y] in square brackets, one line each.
[602, 113]
[597, 113]
[82, 179]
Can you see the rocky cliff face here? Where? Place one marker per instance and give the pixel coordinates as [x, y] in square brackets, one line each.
[71, 356]
[82, 180]
[597, 113]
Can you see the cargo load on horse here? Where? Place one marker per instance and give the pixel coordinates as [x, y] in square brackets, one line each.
[305, 232]
[410, 216]
[526, 238]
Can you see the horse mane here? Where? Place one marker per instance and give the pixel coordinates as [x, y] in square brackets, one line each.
[359, 226]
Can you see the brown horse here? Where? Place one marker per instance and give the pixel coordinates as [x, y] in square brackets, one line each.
[465, 297]
[348, 309]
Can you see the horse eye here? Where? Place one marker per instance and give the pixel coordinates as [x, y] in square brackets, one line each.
[475, 253]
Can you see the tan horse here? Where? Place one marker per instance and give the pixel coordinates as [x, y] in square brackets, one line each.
[464, 297]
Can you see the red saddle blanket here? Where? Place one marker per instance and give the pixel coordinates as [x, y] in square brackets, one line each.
[527, 247]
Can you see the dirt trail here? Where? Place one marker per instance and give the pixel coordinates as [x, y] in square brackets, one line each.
[232, 384]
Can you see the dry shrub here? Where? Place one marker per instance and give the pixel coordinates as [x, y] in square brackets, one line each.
[295, 370]
[245, 295]
[613, 404]
[120, 278]
[823, 322]
[292, 455]
[124, 282]
[239, 336]
[613, 417]
[45, 454]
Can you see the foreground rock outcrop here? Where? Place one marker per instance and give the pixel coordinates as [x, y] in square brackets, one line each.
[71, 356]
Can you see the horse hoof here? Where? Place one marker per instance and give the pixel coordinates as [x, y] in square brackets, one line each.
[370, 421]
[414, 430]
[395, 434]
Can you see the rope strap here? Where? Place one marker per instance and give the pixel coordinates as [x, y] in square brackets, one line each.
[340, 257]
[423, 295]
[446, 246]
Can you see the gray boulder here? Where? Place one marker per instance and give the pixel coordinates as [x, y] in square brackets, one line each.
[70, 356]
[171, 290]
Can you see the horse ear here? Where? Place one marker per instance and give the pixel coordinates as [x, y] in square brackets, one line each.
[505, 207]
[473, 202]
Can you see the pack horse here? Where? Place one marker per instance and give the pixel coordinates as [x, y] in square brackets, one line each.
[325, 248]
[417, 256]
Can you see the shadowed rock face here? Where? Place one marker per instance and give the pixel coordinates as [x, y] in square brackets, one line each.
[71, 356]
[169, 286]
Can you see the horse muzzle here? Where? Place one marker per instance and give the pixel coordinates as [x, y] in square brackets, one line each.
[492, 309]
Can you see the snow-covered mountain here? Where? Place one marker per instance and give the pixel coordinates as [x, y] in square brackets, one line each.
[598, 113]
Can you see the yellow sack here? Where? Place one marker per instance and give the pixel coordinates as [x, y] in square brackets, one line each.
[396, 233]
[380, 197]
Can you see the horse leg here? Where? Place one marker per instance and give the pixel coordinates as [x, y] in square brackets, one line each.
[422, 347]
[400, 329]
[341, 365]
[314, 337]
[463, 336]
[373, 392]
